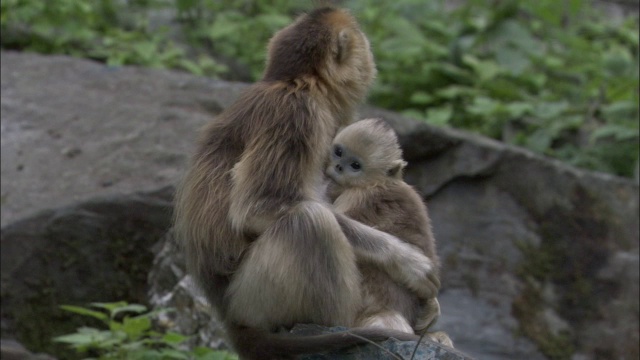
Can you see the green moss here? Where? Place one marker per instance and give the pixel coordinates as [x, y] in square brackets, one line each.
[527, 308]
[573, 247]
[38, 318]
[539, 262]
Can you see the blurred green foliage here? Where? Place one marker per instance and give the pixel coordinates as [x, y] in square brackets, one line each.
[551, 75]
[555, 76]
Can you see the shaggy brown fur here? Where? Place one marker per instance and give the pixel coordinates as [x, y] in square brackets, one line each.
[259, 238]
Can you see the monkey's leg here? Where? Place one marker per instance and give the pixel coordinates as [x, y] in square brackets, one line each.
[403, 262]
[429, 314]
[301, 269]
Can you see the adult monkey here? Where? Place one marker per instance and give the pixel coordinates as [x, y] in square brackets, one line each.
[259, 238]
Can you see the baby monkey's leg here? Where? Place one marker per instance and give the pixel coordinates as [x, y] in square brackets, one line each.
[429, 314]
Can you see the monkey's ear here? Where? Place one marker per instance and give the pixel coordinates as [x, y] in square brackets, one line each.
[344, 46]
[396, 169]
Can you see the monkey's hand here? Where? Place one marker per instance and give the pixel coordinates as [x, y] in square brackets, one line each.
[404, 263]
[409, 266]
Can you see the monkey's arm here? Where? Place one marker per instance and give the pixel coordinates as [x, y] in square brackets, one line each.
[279, 165]
[333, 190]
[405, 263]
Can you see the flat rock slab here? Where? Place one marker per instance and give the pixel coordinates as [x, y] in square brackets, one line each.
[73, 129]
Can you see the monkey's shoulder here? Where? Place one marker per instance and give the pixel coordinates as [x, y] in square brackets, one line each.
[381, 203]
[398, 196]
[273, 114]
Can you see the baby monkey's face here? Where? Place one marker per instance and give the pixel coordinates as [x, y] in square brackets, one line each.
[345, 167]
[365, 153]
[354, 168]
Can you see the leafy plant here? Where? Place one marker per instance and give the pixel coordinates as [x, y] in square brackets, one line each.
[130, 335]
[116, 32]
[552, 76]
[556, 77]
[236, 30]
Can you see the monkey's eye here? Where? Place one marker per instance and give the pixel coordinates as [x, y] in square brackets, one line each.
[355, 165]
[338, 151]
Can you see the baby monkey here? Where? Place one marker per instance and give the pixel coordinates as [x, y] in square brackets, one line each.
[366, 169]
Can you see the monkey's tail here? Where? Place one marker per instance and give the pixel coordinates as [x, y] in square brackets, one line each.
[259, 344]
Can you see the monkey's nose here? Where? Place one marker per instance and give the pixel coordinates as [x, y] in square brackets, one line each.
[339, 168]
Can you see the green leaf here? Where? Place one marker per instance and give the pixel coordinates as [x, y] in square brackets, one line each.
[217, 355]
[619, 62]
[440, 115]
[89, 338]
[621, 110]
[550, 110]
[136, 327]
[201, 351]
[455, 91]
[273, 20]
[516, 34]
[421, 98]
[84, 311]
[615, 131]
[414, 113]
[76, 339]
[513, 59]
[186, 5]
[173, 354]
[174, 338]
[539, 141]
[225, 25]
[403, 47]
[518, 109]
[134, 308]
[115, 326]
[571, 122]
[452, 72]
[486, 70]
[191, 67]
[136, 345]
[483, 106]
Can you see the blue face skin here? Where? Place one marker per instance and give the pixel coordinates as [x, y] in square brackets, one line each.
[342, 164]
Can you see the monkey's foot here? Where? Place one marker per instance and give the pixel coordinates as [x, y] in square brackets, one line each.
[440, 337]
[429, 314]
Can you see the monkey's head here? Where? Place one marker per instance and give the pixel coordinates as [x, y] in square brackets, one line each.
[365, 153]
[327, 46]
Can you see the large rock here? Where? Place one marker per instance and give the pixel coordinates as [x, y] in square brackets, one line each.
[95, 251]
[74, 129]
[540, 260]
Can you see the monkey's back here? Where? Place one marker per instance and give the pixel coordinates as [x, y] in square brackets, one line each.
[214, 249]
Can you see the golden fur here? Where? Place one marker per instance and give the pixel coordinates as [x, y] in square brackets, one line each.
[366, 168]
[259, 238]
